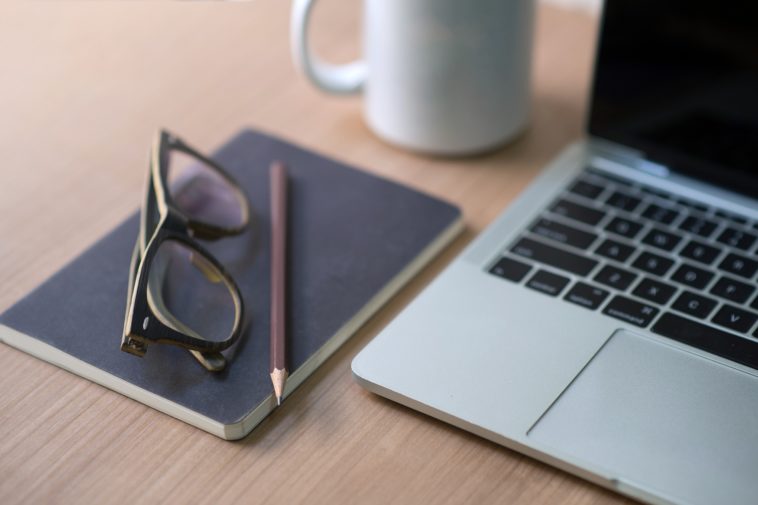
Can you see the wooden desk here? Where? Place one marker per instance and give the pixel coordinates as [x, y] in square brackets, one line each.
[83, 86]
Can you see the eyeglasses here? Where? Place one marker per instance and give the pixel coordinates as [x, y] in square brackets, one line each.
[178, 293]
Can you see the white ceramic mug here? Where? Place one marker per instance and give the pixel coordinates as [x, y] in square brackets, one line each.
[447, 77]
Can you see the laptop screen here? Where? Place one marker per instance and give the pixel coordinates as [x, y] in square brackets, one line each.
[678, 80]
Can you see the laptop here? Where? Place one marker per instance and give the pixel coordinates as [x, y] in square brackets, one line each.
[607, 322]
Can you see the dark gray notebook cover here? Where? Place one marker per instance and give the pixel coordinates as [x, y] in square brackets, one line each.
[350, 234]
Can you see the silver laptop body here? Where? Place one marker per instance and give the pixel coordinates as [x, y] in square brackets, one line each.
[606, 322]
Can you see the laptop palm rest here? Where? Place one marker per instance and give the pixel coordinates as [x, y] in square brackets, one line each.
[645, 411]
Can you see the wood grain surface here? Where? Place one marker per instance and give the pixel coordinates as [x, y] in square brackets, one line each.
[83, 85]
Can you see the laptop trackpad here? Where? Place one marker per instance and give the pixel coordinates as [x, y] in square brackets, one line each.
[662, 419]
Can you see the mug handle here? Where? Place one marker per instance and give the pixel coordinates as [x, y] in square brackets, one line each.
[338, 79]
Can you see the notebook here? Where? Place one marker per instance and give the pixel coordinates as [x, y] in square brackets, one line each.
[354, 240]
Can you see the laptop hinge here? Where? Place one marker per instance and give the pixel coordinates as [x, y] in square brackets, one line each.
[627, 156]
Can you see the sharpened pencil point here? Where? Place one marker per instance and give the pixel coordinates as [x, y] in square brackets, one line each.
[278, 378]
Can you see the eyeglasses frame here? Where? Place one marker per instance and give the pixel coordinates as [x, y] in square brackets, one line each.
[147, 322]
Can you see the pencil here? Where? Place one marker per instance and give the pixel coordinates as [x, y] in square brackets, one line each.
[278, 365]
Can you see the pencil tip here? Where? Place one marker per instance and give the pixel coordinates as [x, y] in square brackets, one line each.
[278, 378]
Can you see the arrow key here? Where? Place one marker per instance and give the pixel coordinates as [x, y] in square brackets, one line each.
[735, 319]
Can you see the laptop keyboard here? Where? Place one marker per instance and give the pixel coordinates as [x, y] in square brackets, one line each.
[649, 258]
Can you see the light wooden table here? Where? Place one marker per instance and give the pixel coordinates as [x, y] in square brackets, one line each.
[82, 87]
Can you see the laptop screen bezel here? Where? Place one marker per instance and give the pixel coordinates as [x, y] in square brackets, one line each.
[673, 160]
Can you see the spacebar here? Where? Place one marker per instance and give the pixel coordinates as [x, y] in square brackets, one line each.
[708, 339]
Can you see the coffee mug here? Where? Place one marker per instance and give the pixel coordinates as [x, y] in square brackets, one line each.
[446, 77]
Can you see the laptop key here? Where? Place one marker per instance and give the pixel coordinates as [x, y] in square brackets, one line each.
[654, 291]
[661, 239]
[554, 257]
[631, 311]
[732, 217]
[510, 269]
[609, 177]
[656, 192]
[709, 339]
[739, 265]
[578, 212]
[586, 189]
[615, 277]
[734, 318]
[586, 295]
[564, 234]
[653, 263]
[614, 250]
[699, 225]
[693, 205]
[624, 227]
[692, 276]
[736, 238]
[660, 214]
[548, 282]
[732, 290]
[623, 201]
[694, 304]
[700, 252]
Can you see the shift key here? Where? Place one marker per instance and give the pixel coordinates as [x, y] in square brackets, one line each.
[554, 257]
[564, 234]
[576, 211]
